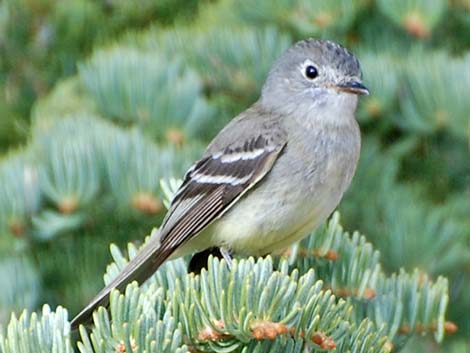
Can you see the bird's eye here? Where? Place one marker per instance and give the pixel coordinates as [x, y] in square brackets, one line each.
[311, 72]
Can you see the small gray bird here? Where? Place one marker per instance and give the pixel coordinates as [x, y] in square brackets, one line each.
[272, 174]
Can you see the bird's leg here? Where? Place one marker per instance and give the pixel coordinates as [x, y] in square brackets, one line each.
[199, 260]
[227, 255]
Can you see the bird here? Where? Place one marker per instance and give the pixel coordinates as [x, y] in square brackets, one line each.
[271, 175]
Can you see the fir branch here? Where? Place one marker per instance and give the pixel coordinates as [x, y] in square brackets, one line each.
[417, 17]
[353, 253]
[160, 96]
[20, 286]
[401, 299]
[443, 107]
[80, 159]
[225, 308]
[134, 165]
[239, 57]
[70, 175]
[20, 194]
[33, 334]
[402, 222]
[303, 17]
[67, 98]
[384, 72]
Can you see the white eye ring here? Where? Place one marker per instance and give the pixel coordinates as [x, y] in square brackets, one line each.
[309, 70]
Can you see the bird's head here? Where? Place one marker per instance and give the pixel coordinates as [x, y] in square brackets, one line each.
[314, 73]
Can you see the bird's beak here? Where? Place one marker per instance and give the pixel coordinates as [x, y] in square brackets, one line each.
[354, 87]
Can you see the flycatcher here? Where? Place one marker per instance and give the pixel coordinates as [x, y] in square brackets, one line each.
[272, 175]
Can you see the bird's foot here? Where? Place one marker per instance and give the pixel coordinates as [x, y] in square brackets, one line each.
[227, 255]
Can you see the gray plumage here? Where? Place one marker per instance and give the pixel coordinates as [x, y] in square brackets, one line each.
[272, 174]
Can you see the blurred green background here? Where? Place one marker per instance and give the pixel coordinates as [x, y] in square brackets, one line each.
[99, 100]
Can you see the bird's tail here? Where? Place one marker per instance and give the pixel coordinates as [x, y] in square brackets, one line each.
[139, 269]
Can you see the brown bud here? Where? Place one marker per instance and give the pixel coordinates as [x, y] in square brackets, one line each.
[121, 347]
[450, 327]
[388, 346]
[331, 255]
[209, 334]
[373, 107]
[415, 25]
[369, 293]
[323, 341]
[323, 19]
[17, 228]
[268, 330]
[175, 136]
[68, 204]
[146, 203]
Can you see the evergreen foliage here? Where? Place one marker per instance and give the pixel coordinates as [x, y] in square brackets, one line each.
[161, 96]
[237, 309]
[111, 101]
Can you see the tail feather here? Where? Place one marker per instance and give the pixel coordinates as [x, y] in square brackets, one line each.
[139, 269]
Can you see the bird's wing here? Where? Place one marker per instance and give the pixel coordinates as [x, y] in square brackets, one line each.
[209, 189]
